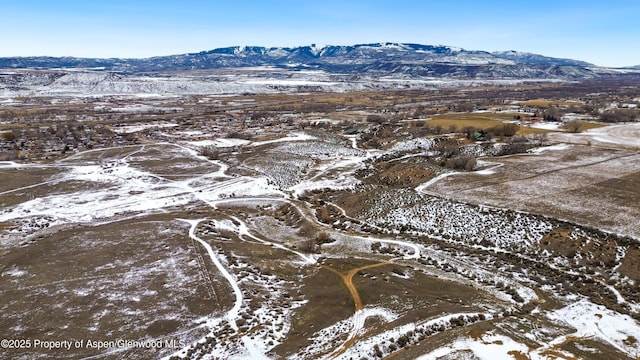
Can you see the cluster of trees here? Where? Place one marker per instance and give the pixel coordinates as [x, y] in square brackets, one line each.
[464, 162]
[34, 141]
[313, 240]
[423, 129]
[376, 119]
[378, 136]
[519, 145]
[504, 130]
[451, 156]
[574, 126]
[620, 115]
[210, 152]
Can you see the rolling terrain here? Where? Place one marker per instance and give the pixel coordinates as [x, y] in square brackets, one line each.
[435, 224]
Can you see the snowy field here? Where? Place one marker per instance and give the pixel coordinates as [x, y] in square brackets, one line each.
[625, 136]
[257, 80]
[592, 186]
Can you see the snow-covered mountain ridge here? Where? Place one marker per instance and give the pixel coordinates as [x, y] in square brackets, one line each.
[381, 58]
[252, 69]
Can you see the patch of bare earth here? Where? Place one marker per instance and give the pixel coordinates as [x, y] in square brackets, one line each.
[134, 280]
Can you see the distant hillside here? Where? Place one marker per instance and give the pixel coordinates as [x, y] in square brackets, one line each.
[411, 60]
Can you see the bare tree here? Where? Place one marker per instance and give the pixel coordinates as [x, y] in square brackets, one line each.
[306, 230]
[574, 126]
[323, 238]
[211, 152]
[309, 245]
[8, 136]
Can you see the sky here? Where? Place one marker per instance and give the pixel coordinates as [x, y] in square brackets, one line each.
[605, 33]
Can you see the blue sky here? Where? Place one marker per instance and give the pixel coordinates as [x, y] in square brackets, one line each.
[602, 32]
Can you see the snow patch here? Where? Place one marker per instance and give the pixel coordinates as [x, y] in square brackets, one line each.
[489, 346]
[220, 142]
[591, 320]
[290, 137]
[135, 128]
[557, 147]
[546, 125]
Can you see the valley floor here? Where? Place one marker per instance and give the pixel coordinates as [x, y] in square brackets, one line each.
[156, 243]
[307, 242]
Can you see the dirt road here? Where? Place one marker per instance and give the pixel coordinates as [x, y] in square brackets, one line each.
[359, 317]
[348, 280]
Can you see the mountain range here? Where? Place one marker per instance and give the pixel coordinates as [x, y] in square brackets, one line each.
[253, 69]
[373, 59]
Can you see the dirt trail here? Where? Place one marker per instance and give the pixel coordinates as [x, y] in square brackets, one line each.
[358, 316]
[348, 280]
[232, 314]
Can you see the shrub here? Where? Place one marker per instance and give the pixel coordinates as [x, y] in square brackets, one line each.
[375, 119]
[306, 230]
[8, 136]
[309, 245]
[457, 321]
[620, 115]
[210, 152]
[323, 238]
[469, 132]
[504, 129]
[323, 215]
[448, 148]
[240, 135]
[466, 163]
[403, 340]
[574, 126]
[376, 349]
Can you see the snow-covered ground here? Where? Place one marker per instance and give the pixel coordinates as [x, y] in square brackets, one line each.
[135, 128]
[219, 142]
[122, 186]
[557, 147]
[289, 137]
[596, 321]
[121, 189]
[590, 321]
[624, 135]
[488, 346]
[137, 108]
[258, 80]
[546, 125]
[232, 314]
[466, 223]
[570, 182]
